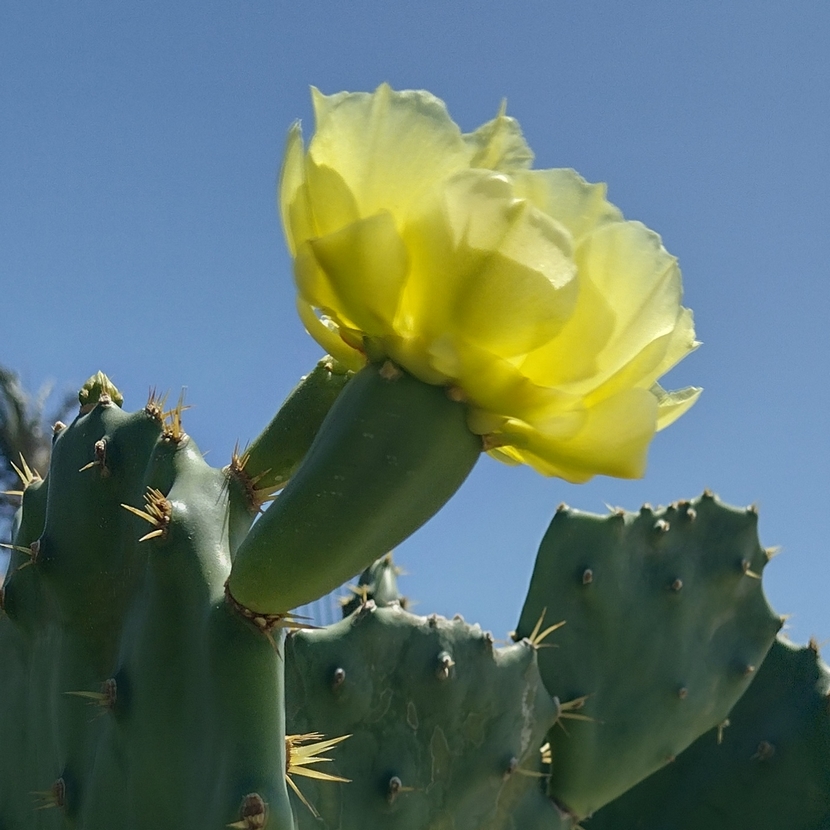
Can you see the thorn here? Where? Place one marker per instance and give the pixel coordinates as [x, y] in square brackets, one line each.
[253, 813]
[691, 514]
[58, 426]
[445, 663]
[661, 526]
[721, 726]
[772, 552]
[587, 576]
[537, 636]
[338, 678]
[682, 693]
[562, 508]
[764, 752]
[301, 751]
[158, 513]
[676, 585]
[512, 766]
[55, 796]
[389, 371]
[100, 459]
[457, 394]
[27, 475]
[395, 787]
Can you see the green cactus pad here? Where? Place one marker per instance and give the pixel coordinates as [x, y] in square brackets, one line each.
[389, 454]
[445, 728]
[665, 625]
[128, 680]
[768, 769]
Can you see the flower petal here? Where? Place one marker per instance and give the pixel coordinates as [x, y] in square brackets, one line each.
[673, 404]
[390, 147]
[613, 441]
[566, 197]
[295, 210]
[499, 145]
[633, 299]
[360, 272]
[488, 268]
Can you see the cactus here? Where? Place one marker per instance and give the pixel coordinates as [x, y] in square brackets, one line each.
[768, 765]
[140, 692]
[690, 572]
[155, 674]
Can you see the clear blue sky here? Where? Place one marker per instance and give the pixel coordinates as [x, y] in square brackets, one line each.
[139, 148]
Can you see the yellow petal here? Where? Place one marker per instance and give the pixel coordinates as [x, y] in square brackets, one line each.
[613, 441]
[633, 299]
[329, 339]
[488, 268]
[495, 385]
[294, 207]
[359, 275]
[673, 404]
[389, 147]
[499, 145]
[566, 197]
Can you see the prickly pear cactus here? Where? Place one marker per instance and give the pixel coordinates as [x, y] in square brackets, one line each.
[767, 766]
[148, 676]
[143, 692]
[665, 626]
[445, 727]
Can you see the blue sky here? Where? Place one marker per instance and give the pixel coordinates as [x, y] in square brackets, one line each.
[139, 149]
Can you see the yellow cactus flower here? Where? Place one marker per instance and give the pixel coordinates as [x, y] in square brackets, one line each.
[524, 291]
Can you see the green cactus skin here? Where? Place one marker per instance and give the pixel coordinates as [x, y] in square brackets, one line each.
[769, 771]
[390, 453]
[443, 725]
[275, 455]
[135, 695]
[666, 622]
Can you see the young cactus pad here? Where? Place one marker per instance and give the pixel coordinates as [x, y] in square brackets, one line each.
[666, 624]
[445, 727]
